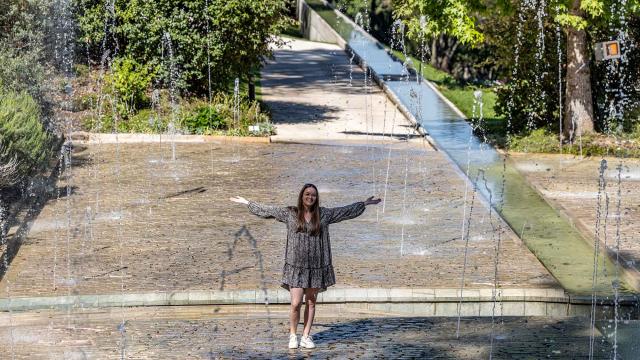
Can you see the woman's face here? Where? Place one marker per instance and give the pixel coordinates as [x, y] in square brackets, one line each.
[309, 196]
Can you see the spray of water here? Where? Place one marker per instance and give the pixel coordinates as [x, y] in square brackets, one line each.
[167, 47]
[560, 94]
[616, 284]
[602, 185]
[386, 181]
[466, 226]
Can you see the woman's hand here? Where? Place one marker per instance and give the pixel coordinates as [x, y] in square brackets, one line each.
[239, 199]
[372, 201]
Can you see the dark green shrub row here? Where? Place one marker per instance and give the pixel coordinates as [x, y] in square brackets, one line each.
[22, 136]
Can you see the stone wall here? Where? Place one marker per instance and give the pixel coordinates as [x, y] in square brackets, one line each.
[314, 28]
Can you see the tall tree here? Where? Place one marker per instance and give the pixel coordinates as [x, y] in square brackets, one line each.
[457, 18]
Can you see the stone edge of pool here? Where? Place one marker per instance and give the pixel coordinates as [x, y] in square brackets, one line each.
[434, 301]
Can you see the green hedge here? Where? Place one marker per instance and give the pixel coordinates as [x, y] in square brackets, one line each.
[22, 135]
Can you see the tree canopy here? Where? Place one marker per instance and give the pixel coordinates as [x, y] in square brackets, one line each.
[531, 25]
[226, 38]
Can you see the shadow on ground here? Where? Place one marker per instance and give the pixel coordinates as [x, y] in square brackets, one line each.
[286, 112]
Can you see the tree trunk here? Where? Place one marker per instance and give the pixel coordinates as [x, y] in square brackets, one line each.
[450, 51]
[372, 16]
[578, 118]
[252, 87]
[434, 52]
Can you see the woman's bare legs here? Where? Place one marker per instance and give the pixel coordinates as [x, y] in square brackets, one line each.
[309, 309]
[296, 303]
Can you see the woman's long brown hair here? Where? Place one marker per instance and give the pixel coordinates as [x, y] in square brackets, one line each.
[315, 212]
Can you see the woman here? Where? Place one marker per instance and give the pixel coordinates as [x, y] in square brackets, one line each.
[308, 269]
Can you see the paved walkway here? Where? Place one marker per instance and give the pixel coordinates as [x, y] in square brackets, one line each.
[196, 332]
[315, 94]
[136, 221]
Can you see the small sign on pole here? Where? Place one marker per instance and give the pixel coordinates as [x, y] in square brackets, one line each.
[607, 50]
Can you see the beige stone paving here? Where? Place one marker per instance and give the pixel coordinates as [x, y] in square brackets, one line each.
[571, 183]
[208, 332]
[138, 221]
[316, 94]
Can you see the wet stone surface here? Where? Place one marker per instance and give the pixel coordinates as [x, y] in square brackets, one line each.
[134, 220]
[571, 183]
[199, 332]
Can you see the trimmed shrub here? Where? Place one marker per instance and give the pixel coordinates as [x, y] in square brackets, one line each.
[205, 119]
[222, 116]
[22, 135]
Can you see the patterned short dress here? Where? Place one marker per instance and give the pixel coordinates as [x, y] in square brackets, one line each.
[307, 257]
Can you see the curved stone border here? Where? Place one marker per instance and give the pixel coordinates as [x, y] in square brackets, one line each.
[101, 138]
[512, 302]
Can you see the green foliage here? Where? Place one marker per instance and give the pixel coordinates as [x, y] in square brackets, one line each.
[204, 119]
[574, 21]
[545, 140]
[145, 121]
[530, 99]
[223, 116]
[186, 40]
[539, 140]
[130, 80]
[84, 102]
[22, 44]
[22, 136]
[195, 117]
[292, 30]
[431, 18]
[107, 118]
[617, 98]
[81, 70]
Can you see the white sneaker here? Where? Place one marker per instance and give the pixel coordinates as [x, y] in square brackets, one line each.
[307, 342]
[293, 341]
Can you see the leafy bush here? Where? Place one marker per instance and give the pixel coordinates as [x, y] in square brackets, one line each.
[130, 80]
[266, 129]
[538, 140]
[84, 102]
[22, 135]
[220, 116]
[81, 70]
[197, 117]
[205, 119]
[22, 44]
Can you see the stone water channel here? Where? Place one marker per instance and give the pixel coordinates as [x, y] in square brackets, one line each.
[556, 243]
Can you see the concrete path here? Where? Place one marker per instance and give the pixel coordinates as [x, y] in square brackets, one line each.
[317, 95]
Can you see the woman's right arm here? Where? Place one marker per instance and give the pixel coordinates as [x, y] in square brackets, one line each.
[265, 211]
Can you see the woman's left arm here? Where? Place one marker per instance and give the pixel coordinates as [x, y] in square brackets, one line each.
[354, 210]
